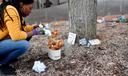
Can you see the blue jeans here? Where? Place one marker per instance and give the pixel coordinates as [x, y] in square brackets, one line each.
[10, 50]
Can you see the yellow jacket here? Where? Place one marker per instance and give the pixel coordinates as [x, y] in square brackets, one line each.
[13, 28]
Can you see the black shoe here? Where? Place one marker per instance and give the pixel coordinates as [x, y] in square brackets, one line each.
[13, 61]
[7, 70]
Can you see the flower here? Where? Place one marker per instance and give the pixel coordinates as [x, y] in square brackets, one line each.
[54, 42]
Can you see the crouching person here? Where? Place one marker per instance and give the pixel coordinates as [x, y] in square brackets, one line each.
[14, 33]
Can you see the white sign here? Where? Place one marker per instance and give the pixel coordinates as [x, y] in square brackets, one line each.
[71, 38]
[95, 42]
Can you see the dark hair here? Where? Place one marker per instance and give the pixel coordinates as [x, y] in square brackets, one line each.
[16, 4]
[2, 6]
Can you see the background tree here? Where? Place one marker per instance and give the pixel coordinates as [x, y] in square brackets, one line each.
[82, 17]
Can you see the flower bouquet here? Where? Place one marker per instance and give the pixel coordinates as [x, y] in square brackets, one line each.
[55, 44]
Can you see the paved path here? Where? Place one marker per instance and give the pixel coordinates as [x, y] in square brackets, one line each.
[59, 12]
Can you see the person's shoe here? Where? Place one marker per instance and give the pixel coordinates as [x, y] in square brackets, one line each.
[7, 70]
[13, 61]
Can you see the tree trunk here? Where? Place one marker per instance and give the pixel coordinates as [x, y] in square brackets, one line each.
[37, 4]
[82, 17]
[58, 2]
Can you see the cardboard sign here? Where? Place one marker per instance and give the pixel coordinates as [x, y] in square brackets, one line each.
[71, 38]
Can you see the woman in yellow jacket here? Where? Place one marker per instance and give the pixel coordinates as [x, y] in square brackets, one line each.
[13, 30]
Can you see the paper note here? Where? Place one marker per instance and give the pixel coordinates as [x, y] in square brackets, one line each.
[95, 42]
[71, 38]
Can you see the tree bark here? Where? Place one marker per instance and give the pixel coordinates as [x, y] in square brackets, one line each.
[82, 18]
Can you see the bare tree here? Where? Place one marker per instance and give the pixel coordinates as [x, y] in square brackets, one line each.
[58, 2]
[82, 17]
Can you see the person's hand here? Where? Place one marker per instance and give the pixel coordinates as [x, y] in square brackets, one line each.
[38, 31]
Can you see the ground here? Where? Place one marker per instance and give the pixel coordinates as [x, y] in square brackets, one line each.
[110, 58]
